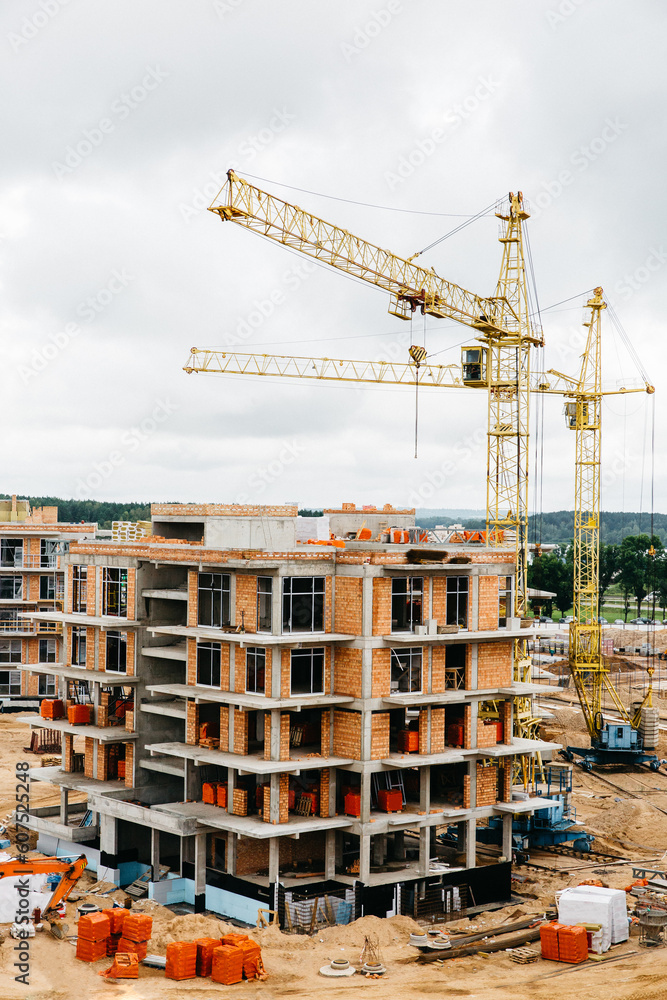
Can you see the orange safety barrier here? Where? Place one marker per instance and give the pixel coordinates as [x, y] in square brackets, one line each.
[93, 927]
[125, 966]
[227, 965]
[205, 949]
[138, 926]
[181, 960]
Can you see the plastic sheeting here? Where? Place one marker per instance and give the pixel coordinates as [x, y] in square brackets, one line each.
[590, 904]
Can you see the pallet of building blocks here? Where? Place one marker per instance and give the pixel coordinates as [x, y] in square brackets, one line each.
[209, 792]
[572, 944]
[390, 800]
[205, 948]
[93, 927]
[138, 926]
[116, 917]
[79, 715]
[125, 966]
[455, 735]
[549, 940]
[408, 741]
[221, 795]
[252, 959]
[227, 967]
[52, 709]
[120, 768]
[139, 948]
[233, 939]
[112, 944]
[181, 960]
[353, 804]
[91, 951]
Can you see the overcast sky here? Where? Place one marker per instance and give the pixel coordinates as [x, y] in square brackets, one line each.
[120, 120]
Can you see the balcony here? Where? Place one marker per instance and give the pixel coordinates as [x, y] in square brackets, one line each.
[21, 626]
[31, 562]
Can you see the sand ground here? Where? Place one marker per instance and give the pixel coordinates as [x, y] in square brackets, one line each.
[626, 818]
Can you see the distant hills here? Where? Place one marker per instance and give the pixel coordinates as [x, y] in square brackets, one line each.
[557, 527]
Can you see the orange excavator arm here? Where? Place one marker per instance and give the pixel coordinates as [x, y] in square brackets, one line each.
[72, 871]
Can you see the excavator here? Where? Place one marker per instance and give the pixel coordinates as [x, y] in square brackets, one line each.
[72, 871]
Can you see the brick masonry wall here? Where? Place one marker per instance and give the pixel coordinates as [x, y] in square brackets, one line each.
[268, 670]
[325, 732]
[348, 604]
[129, 721]
[240, 802]
[101, 649]
[130, 654]
[68, 754]
[251, 855]
[506, 717]
[379, 735]
[437, 730]
[440, 599]
[327, 603]
[381, 680]
[102, 762]
[69, 572]
[240, 731]
[132, 594]
[266, 804]
[347, 734]
[487, 784]
[467, 727]
[284, 735]
[192, 661]
[192, 723]
[90, 649]
[283, 799]
[381, 606]
[488, 602]
[193, 586]
[324, 791]
[92, 577]
[267, 736]
[494, 665]
[506, 781]
[347, 672]
[129, 765]
[246, 601]
[89, 757]
[225, 654]
[285, 679]
[486, 735]
[438, 669]
[224, 728]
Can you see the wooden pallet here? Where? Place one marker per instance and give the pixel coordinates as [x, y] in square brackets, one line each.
[139, 887]
[524, 956]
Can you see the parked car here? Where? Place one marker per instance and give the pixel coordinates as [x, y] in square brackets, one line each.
[641, 621]
[619, 621]
[567, 620]
[545, 620]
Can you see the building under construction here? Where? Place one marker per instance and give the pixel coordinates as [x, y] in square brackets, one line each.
[256, 714]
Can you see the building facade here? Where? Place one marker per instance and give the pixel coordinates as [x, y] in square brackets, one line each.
[262, 710]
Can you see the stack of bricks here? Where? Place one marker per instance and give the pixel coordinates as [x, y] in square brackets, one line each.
[89, 758]
[240, 731]
[240, 802]
[380, 722]
[129, 720]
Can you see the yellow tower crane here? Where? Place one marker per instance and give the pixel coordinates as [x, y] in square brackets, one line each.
[501, 364]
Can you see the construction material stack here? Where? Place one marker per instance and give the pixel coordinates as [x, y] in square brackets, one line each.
[137, 930]
[93, 932]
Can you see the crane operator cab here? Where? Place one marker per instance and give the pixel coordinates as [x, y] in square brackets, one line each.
[577, 415]
[473, 365]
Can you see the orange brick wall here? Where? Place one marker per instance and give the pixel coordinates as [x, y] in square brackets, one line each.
[193, 586]
[90, 649]
[486, 735]
[437, 669]
[68, 589]
[240, 731]
[381, 684]
[506, 716]
[467, 727]
[132, 594]
[325, 732]
[101, 650]
[102, 762]
[285, 679]
[192, 661]
[488, 602]
[68, 757]
[192, 723]
[246, 601]
[437, 730]
[284, 735]
[348, 604]
[92, 577]
[494, 665]
[379, 735]
[224, 728]
[487, 784]
[129, 765]
[347, 672]
[347, 734]
[327, 604]
[130, 657]
[324, 791]
[440, 599]
[381, 606]
[89, 757]
[423, 731]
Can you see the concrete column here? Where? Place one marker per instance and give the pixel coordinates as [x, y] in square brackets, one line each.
[231, 782]
[64, 805]
[471, 843]
[364, 857]
[274, 859]
[461, 837]
[191, 780]
[277, 607]
[330, 854]
[274, 803]
[200, 872]
[425, 789]
[367, 605]
[232, 839]
[155, 854]
[108, 834]
[332, 791]
[366, 734]
[399, 846]
[473, 598]
[365, 798]
[379, 849]
[424, 846]
[507, 836]
[275, 725]
[474, 715]
[472, 773]
[473, 667]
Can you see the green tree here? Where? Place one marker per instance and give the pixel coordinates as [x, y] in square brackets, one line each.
[637, 566]
[609, 567]
[553, 571]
